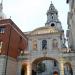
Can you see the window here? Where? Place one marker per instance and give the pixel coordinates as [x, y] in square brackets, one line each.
[34, 44]
[1, 43]
[2, 29]
[44, 44]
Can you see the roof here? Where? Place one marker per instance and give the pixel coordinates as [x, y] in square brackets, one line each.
[9, 21]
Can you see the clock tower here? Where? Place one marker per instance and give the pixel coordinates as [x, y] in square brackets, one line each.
[52, 18]
[45, 45]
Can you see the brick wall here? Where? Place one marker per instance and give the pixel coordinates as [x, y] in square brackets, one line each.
[14, 40]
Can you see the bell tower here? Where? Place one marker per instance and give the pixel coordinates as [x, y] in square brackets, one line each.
[52, 18]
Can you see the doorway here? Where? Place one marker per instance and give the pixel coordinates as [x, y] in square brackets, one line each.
[24, 69]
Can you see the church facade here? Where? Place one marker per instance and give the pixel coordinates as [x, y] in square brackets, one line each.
[46, 53]
[39, 52]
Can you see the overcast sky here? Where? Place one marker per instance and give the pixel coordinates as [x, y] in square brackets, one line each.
[30, 14]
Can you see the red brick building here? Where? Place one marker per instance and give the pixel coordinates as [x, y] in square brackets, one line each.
[12, 42]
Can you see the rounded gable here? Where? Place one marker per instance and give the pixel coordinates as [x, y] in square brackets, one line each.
[44, 30]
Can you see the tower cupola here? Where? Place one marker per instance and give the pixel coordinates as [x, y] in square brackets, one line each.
[52, 17]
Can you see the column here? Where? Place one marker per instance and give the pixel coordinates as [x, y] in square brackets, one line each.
[61, 66]
[29, 69]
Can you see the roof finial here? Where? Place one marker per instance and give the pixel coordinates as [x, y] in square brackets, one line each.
[51, 2]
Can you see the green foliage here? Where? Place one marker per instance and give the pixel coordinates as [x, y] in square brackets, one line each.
[41, 67]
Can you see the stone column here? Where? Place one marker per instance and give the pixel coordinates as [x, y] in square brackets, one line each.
[29, 69]
[61, 66]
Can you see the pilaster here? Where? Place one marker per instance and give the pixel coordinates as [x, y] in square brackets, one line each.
[29, 69]
[61, 65]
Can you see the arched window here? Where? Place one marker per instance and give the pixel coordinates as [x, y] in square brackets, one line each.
[44, 44]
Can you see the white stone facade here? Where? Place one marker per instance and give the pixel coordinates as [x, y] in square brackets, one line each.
[47, 44]
[11, 68]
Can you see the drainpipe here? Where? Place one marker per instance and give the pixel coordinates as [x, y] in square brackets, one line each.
[7, 52]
